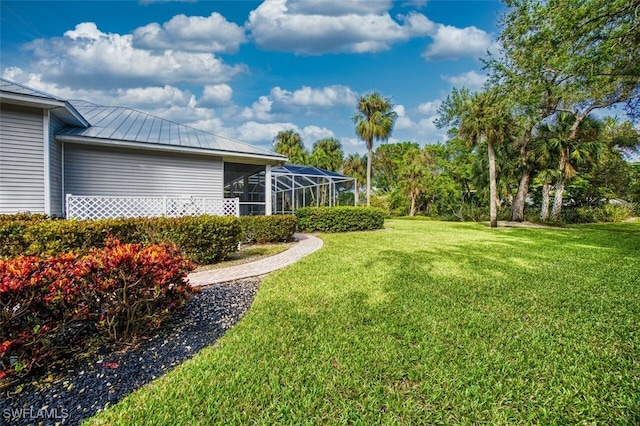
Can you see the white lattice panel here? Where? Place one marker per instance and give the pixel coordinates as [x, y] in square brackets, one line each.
[86, 207]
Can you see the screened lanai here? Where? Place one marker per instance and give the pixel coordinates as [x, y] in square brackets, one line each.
[296, 186]
[292, 186]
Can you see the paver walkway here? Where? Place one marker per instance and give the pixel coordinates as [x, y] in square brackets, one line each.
[307, 244]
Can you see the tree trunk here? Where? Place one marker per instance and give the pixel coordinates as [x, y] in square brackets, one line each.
[493, 203]
[369, 160]
[357, 195]
[546, 189]
[412, 211]
[557, 201]
[517, 208]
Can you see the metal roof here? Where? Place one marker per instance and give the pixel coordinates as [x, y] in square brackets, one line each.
[12, 87]
[19, 94]
[113, 124]
[131, 125]
[302, 170]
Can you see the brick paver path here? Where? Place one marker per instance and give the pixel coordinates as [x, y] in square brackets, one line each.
[307, 244]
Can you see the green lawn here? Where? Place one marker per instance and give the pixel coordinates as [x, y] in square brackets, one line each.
[428, 322]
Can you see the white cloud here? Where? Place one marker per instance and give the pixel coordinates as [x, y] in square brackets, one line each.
[310, 134]
[326, 97]
[263, 133]
[87, 57]
[472, 80]
[429, 108]
[352, 142]
[137, 97]
[252, 131]
[191, 33]
[259, 110]
[338, 7]
[453, 43]
[321, 27]
[216, 95]
[403, 122]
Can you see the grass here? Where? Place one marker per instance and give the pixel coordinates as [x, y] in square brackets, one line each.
[428, 322]
[248, 254]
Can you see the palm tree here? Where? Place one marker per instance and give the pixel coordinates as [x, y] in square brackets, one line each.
[374, 119]
[413, 176]
[289, 143]
[546, 177]
[327, 154]
[355, 167]
[570, 151]
[484, 119]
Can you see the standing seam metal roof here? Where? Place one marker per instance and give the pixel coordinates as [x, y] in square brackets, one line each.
[127, 124]
[11, 87]
[25, 95]
[131, 125]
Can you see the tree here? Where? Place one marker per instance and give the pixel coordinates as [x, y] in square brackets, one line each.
[546, 161]
[289, 143]
[374, 120]
[413, 175]
[355, 166]
[611, 177]
[572, 56]
[482, 118]
[387, 160]
[327, 154]
[570, 149]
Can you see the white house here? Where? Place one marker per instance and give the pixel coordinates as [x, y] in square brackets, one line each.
[106, 161]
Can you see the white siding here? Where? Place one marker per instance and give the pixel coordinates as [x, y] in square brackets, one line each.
[55, 170]
[21, 159]
[107, 171]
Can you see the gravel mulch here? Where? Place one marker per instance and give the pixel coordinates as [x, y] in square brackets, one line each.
[82, 389]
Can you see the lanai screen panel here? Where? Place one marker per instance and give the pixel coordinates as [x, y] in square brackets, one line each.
[295, 186]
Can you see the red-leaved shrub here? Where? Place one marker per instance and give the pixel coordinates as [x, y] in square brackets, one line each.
[124, 289]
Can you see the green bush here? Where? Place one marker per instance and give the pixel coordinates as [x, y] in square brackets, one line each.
[339, 219]
[23, 217]
[268, 229]
[202, 239]
[603, 213]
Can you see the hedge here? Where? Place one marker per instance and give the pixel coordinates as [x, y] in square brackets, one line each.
[268, 229]
[203, 239]
[339, 219]
[25, 217]
[121, 290]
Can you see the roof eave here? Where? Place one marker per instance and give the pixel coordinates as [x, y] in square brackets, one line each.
[72, 115]
[87, 140]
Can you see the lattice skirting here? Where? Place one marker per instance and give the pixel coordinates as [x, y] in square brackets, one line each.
[87, 207]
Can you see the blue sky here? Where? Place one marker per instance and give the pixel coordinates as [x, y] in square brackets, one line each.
[247, 69]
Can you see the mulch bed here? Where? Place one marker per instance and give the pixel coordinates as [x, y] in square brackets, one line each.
[78, 389]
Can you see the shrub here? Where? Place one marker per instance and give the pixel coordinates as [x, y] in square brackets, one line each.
[383, 202]
[26, 318]
[268, 229]
[23, 217]
[595, 214]
[12, 239]
[203, 239]
[123, 289]
[339, 219]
